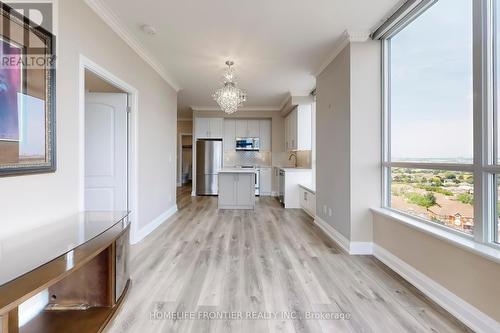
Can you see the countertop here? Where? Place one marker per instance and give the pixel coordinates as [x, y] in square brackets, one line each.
[309, 187]
[237, 170]
[288, 169]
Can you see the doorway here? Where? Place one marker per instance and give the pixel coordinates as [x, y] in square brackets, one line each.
[113, 82]
[186, 159]
[106, 145]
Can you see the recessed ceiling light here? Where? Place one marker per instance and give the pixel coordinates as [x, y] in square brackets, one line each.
[149, 29]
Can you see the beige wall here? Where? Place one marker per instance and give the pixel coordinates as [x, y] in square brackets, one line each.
[30, 201]
[333, 141]
[469, 276]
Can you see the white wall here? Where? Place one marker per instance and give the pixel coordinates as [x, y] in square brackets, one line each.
[365, 137]
[33, 200]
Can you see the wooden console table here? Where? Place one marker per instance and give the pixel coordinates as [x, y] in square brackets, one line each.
[69, 276]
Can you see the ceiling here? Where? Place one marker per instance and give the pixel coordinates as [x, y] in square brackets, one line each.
[277, 45]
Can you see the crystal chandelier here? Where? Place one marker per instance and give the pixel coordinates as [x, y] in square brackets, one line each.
[229, 97]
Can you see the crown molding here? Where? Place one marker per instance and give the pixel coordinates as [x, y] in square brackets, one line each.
[285, 100]
[346, 38]
[247, 108]
[107, 15]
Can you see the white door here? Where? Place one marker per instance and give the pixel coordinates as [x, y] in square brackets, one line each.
[105, 151]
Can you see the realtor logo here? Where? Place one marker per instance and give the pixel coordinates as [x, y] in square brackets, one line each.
[27, 35]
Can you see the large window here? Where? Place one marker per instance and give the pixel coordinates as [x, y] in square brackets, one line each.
[441, 129]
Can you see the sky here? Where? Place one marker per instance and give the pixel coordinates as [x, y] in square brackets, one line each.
[431, 85]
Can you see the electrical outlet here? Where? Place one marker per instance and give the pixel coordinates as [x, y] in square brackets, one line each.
[329, 212]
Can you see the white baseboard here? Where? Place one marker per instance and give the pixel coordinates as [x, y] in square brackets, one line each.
[465, 312]
[353, 248]
[151, 226]
[336, 236]
[360, 248]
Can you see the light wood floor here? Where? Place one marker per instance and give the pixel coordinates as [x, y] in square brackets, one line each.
[271, 260]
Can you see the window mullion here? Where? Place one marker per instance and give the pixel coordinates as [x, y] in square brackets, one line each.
[482, 85]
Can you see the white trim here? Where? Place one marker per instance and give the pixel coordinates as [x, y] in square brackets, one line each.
[133, 96]
[106, 14]
[285, 100]
[360, 248]
[465, 243]
[247, 108]
[346, 38]
[465, 312]
[352, 248]
[151, 226]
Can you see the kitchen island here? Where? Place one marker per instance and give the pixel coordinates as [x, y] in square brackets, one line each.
[236, 188]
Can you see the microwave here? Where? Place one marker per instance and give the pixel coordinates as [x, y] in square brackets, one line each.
[248, 144]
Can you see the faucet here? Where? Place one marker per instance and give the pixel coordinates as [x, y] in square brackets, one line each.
[293, 154]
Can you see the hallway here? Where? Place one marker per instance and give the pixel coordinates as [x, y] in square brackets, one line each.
[266, 261]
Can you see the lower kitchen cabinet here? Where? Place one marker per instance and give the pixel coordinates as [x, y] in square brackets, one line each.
[307, 200]
[266, 182]
[236, 190]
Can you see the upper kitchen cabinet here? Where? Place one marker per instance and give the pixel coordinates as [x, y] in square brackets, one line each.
[209, 128]
[265, 134]
[229, 135]
[298, 128]
[253, 129]
[247, 128]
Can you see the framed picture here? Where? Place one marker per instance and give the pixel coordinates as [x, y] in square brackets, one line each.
[27, 96]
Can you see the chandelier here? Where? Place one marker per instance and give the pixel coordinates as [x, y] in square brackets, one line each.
[229, 96]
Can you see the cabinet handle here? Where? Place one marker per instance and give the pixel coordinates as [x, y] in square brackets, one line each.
[305, 196]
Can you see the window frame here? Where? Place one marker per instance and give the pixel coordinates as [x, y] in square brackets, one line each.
[485, 169]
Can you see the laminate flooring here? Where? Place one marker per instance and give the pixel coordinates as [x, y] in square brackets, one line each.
[267, 270]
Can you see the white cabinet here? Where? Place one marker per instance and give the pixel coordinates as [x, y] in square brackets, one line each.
[241, 128]
[253, 128]
[291, 189]
[265, 135]
[207, 128]
[202, 128]
[307, 201]
[276, 180]
[298, 128]
[229, 135]
[236, 190]
[247, 128]
[266, 179]
[217, 128]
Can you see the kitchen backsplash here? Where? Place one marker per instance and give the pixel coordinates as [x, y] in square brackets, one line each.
[304, 159]
[247, 158]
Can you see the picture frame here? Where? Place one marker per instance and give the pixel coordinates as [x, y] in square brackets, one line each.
[27, 96]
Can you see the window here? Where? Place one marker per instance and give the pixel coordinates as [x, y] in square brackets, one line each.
[431, 116]
[442, 115]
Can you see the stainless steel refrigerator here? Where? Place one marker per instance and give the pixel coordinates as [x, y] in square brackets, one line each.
[208, 165]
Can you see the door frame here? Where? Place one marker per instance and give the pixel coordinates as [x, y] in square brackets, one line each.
[179, 164]
[133, 104]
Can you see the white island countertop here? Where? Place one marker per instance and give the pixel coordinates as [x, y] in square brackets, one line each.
[237, 170]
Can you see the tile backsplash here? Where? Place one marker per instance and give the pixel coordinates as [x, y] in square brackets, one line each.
[247, 158]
